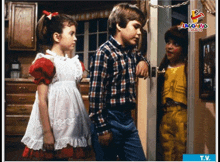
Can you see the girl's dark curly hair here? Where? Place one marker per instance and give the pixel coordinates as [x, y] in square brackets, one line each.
[180, 36]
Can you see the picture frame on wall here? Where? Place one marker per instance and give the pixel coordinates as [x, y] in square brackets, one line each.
[207, 62]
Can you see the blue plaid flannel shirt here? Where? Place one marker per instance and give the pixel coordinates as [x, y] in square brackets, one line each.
[112, 80]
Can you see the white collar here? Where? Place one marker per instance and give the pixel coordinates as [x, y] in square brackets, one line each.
[54, 54]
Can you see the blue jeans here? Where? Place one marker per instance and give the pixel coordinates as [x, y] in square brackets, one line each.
[126, 143]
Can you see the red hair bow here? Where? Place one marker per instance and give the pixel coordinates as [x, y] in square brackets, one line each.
[49, 14]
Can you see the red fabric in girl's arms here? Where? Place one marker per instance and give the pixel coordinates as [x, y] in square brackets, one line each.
[42, 70]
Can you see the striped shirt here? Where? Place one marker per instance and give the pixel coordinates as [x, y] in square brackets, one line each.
[112, 80]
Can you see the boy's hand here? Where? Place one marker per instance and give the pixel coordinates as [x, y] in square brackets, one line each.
[105, 139]
[142, 70]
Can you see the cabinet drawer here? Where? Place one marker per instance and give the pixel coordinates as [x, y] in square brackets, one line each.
[20, 98]
[20, 88]
[84, 89]
[16, 125]
[86, 102]
[18, 109]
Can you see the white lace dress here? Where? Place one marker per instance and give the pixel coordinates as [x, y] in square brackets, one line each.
[68, 117]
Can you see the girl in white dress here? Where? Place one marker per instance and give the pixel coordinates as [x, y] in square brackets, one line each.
[59, 126]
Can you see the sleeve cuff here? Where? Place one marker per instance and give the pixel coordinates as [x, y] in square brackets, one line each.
[144, 59]
[102, 130]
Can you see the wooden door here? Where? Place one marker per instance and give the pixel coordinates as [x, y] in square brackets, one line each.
[22, 25]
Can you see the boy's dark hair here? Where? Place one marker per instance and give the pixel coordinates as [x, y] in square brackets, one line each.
[46, 27]
[122, 13]
[179, 35]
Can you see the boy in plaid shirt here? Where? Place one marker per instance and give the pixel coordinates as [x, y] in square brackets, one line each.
[112, 94]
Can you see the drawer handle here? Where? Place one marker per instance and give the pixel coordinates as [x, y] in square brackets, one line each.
[22, 87]
[22, 120]
[22, 98]
[23, 109]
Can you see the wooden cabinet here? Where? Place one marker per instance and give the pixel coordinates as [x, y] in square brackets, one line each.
[84, 90]
[6, 14]
[22, 26]
[19, 98]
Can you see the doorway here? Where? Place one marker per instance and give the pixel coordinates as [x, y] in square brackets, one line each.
[161, 19]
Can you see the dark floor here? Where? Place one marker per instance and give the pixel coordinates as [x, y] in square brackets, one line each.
[13, 152]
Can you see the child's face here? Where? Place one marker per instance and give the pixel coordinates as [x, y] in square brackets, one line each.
[130, 35]
[173, 51]
[68, 38]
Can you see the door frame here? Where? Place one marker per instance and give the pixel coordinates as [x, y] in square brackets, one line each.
[150, 109]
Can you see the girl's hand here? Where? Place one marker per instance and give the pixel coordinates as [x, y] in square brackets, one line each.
[48, 141]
